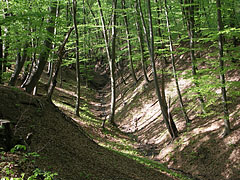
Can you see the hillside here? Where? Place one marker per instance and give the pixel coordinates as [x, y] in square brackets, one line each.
[200, 151]
[62, 144]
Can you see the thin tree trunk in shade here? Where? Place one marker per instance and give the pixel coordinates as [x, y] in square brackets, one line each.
[189, 12]
[174, 66]
[141, 44]
[159, 30]
[162, 103]
[19, 65]
[129, 43]
[53, 82]
[77, 106]
[227, 128]
[1, 55]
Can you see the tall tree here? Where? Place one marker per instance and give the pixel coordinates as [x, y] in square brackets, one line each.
[174, 66]
[111, 55]
[128, 42]
[163, 105]
[221, 66]
[141, 44]
[1, 55]
[60, 53]
[188, 11]
[20, 60]
[43, 57]
[74, 3]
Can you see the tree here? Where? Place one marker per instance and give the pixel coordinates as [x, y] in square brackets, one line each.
[174, 66]
[128, 42]
[141, 44]
[221, 66]
[35, 74]
[163, 105]
[74, 2]
[20, 60]
[111, 55]
[60, 52]
[188, 11]
[1, 55]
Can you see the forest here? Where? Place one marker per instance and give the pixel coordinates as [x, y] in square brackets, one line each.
[141, 89]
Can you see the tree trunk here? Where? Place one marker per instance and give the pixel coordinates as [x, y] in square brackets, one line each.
[1, 56]
[162, 102]
[112, 63]
[53, 82]
[189, 12]
[77, 57]
[174, 66]
[129, 43]
[51, 63]
[36, 74]
[221, 65]
[111, 57]
[141, 44]
[19, 65]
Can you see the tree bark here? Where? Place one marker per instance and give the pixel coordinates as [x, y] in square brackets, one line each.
[129, 43]
[189, 12]
[36, 74]
[141, 44]
[111, 57]
[51, 63]
[19, 65]
[112, 63]
[162, 102]
[221, 66]
[1, 56]
[53, 82]
[174, 66]
[74, 3]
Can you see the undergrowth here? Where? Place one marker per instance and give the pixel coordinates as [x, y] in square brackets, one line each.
[18, 164]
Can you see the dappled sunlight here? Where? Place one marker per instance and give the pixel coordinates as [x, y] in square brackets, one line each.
[71, 93]
[211, 127]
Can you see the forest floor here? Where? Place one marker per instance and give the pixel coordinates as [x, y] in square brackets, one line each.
[62, 144]
[200, 151]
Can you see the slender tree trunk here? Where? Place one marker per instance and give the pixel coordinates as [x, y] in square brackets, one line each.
[141, 44]
[5, 47]
[19, 65]
[25, 70]
[162, 103]
[174, 66]
[112, 63]
[120, 74]
[159, 30]
[111, 57]
[189, 11]
[222, 76]
[129, 43]
[51, 63]
[74, 2]
[1, 56]
[53, 82]
[36, 74]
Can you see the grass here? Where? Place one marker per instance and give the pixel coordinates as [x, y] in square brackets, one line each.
[153, 164]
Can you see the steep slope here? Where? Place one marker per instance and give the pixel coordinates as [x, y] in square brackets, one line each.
[62, 143]
[200, 150]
